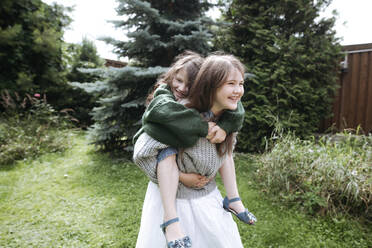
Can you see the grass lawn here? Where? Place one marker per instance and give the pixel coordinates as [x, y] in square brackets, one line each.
[81, 198]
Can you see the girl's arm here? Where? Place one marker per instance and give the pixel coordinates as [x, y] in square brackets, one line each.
[172, 123]
[232, 120]
[167, 163]
[215, 133]
[229, 122]
[193, 180]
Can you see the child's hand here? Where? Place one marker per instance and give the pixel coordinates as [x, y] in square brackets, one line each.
[193, 180]
[211, 125]
[216, 134]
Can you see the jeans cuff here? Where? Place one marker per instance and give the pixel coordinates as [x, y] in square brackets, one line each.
[166, 153]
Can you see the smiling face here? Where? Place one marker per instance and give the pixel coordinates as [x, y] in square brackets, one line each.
[228, 95]
[180, 86]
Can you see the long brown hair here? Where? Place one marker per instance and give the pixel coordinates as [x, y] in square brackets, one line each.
[212, 75]
[189, 61]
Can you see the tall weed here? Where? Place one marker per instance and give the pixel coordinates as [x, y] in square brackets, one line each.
[30, 127]
[323, 176]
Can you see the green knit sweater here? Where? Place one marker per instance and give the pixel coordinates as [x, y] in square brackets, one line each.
[173, 124]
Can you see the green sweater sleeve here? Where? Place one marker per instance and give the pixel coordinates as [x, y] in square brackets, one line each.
[172, 123]
[232, 120]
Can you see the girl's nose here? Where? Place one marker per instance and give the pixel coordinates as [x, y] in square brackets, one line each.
[183, 88]
[238, 89]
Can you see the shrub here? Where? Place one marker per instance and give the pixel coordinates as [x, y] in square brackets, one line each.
[295, 58]
[31, 39]
[30, 127]
[323, 176]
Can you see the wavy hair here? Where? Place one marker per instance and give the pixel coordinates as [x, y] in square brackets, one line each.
[213, 73]
[189, 61]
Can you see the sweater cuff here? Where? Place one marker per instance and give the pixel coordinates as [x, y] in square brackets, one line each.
[204, 129]
[229, 128]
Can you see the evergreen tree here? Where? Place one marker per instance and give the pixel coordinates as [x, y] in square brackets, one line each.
[294, 56]
[30, 47]
[158, 30]
[82, 55]
[79, 57]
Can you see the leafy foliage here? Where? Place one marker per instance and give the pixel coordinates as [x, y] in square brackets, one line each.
[30, 47]
[30, 127]
[83, 55]
[294, 56]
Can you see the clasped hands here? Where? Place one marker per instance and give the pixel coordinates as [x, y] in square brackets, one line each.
[193, 180]
[215, 133]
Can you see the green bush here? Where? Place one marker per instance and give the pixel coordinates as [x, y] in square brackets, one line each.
[324, 176]
[31, 34]
[30, 130]
[295, 58]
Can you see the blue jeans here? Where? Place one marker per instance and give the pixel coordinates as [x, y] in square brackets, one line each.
[166, 153]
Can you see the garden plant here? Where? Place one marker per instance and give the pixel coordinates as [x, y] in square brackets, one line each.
[321, 175]
[30, 126]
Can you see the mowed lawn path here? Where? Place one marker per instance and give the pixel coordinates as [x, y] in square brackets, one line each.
[82, 198]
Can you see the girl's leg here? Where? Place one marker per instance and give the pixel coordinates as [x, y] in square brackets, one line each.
[168, 176]
[227, 172]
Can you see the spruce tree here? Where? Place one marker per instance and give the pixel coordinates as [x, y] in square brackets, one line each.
[157, 31]
[294, 56]
[79, 57]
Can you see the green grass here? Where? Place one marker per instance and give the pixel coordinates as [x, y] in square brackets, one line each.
[76, 199]
[81, 198]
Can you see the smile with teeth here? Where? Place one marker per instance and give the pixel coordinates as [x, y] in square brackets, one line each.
[234, 98]
[180, 94]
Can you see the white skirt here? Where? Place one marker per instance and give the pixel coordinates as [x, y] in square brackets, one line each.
[203, 219]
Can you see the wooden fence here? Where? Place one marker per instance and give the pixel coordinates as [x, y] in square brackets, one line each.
[353, 102]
